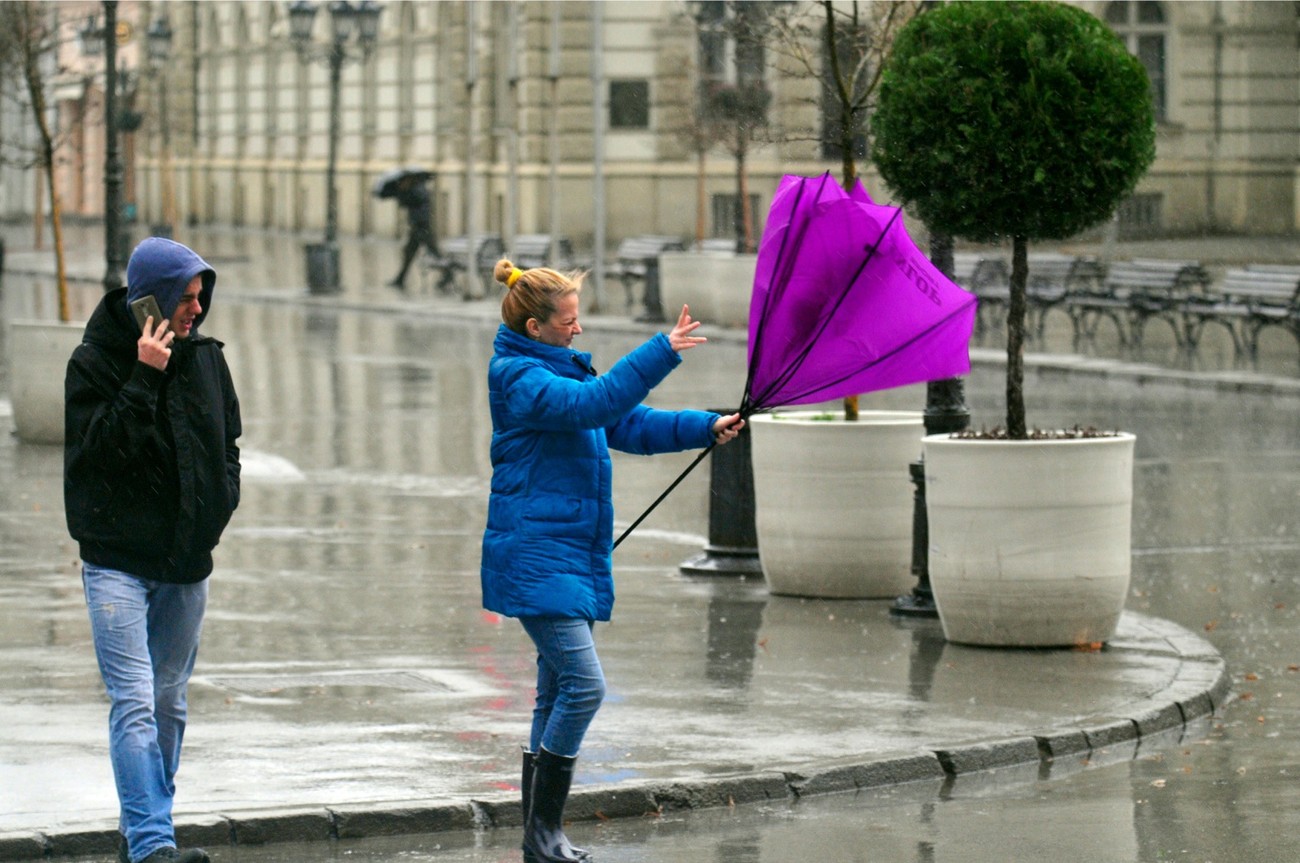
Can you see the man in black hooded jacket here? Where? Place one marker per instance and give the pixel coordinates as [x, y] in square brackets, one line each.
[151, 477]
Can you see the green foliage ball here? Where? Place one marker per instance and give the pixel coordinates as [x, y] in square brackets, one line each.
[1012, 119]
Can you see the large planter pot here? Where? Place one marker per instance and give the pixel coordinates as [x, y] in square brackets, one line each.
[1029, 540]
[716, 286]
[833, 502]
[38, 362]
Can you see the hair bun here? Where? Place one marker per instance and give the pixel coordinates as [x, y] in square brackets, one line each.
[502, 271]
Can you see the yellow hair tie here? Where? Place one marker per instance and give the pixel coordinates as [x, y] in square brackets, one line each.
[515, 273]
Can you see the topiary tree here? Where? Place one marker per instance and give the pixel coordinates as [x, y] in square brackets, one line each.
[1027, 120]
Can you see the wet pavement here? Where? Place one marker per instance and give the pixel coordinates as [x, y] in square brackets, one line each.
[349, 684]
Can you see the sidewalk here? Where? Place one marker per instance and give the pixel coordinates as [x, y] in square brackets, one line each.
[349, 686]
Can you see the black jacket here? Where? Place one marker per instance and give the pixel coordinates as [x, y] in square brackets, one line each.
[151, 467]
[419, 206]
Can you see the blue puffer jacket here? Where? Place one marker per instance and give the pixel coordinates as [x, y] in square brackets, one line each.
[550, 526]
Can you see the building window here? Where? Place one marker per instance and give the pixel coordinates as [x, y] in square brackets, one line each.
[1141, 216]
[725, 215]
[731, 49]
[1141, 24]
[629, 104]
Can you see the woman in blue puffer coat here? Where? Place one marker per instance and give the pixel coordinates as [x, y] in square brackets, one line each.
[549, 539]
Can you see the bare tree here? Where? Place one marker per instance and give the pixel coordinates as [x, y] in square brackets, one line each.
[28, 41]
[697, 130]
[843, 46]
[732, 97]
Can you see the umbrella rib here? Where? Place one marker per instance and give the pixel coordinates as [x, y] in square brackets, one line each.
[780, 278]
[794, 397]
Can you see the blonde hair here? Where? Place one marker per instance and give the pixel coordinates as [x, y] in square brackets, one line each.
[532, 293]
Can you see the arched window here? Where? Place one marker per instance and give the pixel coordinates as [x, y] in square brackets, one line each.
[1142, 26]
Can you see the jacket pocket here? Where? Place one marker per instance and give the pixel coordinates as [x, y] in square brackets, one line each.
[560, 516]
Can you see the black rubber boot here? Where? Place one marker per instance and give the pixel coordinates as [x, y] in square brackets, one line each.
[526, 795]
[544, 839]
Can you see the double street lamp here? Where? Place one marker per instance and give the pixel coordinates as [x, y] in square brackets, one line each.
[158, 42]
[96, 40]
[354, 30]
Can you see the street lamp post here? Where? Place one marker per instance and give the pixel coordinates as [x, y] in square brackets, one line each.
[945, 412]
[352, 25]
[160, 49]
[94, 40]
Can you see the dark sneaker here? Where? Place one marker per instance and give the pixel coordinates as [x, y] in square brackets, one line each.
[171, 855]
[123, 856]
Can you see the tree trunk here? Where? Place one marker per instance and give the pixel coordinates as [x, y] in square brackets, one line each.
[743, 223]
[850, 167]
[701, 197]
[1016, 340]
[60, 265]
[36, 91]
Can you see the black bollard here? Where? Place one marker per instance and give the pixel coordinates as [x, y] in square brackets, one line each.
[654, 311]
[733, 536]
[945, 412]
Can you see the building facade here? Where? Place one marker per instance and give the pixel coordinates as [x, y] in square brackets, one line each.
[577, 118]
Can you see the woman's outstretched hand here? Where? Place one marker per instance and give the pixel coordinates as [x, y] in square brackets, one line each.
[726, 428]
[680, 337]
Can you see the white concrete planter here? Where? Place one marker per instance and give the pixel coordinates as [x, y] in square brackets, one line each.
[1029, 540]
[833, 502]
[717, 286]
[38, 363]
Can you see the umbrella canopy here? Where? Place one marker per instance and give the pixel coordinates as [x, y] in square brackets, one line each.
[845, 303]
[389, 182]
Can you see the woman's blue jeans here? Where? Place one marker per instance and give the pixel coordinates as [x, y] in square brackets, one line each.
[146, 636]
[570, 683]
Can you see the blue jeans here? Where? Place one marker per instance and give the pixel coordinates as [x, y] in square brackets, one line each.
[146, 636]
[570, 683]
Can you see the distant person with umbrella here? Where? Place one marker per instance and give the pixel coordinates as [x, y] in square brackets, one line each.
[408, 187]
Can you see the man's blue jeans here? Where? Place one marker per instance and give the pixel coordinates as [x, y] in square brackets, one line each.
[570, 683]
[146, 636]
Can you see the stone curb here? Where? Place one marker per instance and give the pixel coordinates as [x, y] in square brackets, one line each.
[1201, 687]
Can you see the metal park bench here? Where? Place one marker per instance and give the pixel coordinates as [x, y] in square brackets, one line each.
[635, 256]
[1247, 300]
[1053, 277]
[1133, 293]
[534, 250]
[453, 257]
[715, 246]
[988, 278]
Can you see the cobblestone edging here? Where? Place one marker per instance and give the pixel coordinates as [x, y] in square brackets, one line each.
[1200, 687]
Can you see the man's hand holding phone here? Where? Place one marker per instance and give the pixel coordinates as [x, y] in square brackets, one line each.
[154, 346]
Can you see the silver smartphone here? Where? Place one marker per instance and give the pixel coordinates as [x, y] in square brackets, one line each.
[144, 308]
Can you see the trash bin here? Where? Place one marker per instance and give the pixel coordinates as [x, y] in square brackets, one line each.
[322, 268]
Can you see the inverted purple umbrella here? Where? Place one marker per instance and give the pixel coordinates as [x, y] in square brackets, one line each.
[843, 303]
